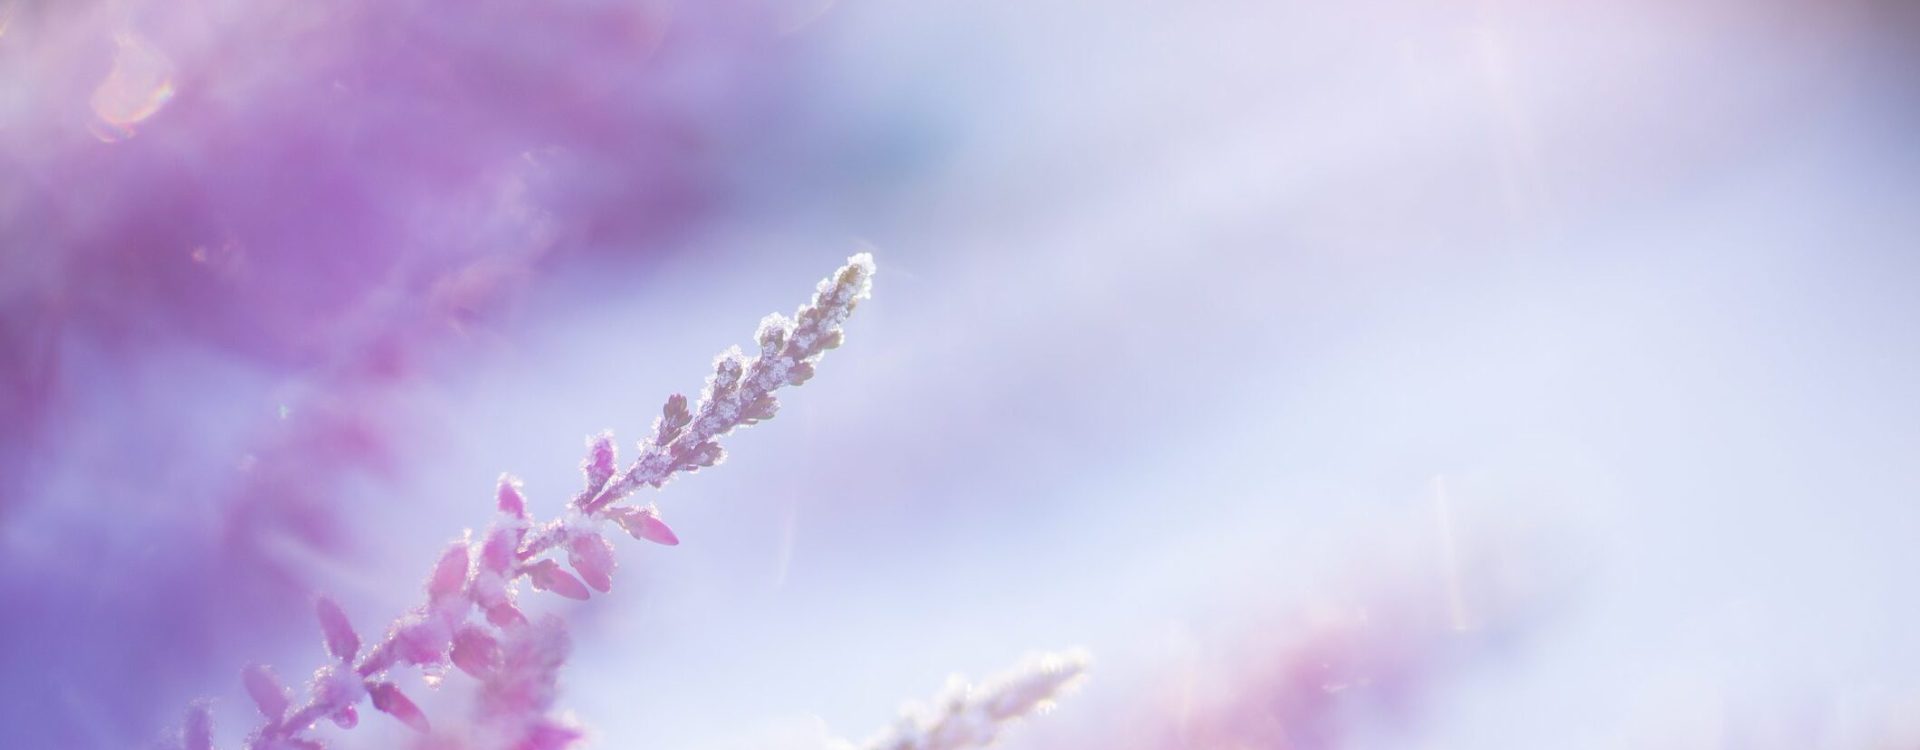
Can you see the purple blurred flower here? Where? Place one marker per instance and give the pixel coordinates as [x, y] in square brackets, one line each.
[252, 225]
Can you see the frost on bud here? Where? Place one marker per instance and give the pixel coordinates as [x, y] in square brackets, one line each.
[450, 574]
[728, 366]
[496, 553]
[703, 454]
[591, 555]
[800, 374]
[475, 652]
[762, 409]
[546, 575]
[342, 642]
[832, 340]
[422, 640]
[197, 734]
[391, 701]
[599, 464]
[267, 692]
[773, 334]
[857, 276]
[644, 524]
[509, 499]
[379, 658]
[334, 688]
[725, 379]
[674, 418]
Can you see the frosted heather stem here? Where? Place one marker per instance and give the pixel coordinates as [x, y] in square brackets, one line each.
[739, 393]
[969, 716]
[515, 660]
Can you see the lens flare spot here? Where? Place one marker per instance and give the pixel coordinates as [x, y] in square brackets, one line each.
[140, 84]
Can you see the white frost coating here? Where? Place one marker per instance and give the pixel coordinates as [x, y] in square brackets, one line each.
[973, 716]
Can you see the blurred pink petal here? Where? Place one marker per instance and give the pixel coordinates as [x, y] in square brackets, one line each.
[475, 652]
[547, 735]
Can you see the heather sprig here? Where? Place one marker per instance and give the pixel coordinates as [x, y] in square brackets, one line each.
[969, 716]
[517, 660]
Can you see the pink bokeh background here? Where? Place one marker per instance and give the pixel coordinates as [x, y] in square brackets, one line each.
[1396, 374]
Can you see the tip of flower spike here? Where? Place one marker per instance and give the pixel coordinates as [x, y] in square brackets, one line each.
[1071, 660]
[858, 273]
[861, 263]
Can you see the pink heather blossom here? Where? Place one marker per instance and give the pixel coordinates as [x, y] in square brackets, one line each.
[510, 501]
[268, 694]
[591, 555]
[518, 661]
[645, 524]
[546, 575]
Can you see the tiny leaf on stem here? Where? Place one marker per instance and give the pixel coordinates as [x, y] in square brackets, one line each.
[342, 642]
[267, 692]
